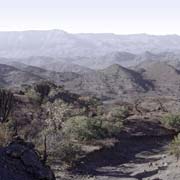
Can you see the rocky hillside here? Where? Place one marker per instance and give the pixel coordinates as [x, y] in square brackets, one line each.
[115, 81]
[100, 62]
[165, 77]
[51, 64]
[110, 82]
[17, 74]
[11, 76]
[67, 67]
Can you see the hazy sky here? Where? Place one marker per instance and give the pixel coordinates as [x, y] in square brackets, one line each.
[116, 16]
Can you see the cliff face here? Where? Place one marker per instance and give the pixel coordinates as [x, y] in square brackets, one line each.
[19, 161]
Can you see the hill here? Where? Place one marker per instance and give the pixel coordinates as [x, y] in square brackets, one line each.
[100, 62]
[165, 77]
[57, 77]
[47, 63]
[18, 74]
[149, 58]
[11, 76]
[115, 81]
[67, 67]
[111, 82]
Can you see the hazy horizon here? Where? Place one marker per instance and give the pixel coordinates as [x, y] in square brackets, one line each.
[4, 31]
[92, 16]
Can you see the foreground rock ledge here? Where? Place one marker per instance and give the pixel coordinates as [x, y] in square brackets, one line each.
[19, 161]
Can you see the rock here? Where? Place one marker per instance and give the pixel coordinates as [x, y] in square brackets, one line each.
[145, 174]
[19, 161]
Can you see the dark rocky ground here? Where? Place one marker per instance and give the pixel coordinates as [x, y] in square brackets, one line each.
[20, 161]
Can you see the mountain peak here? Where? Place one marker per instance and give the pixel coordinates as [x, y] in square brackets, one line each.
[114, 69]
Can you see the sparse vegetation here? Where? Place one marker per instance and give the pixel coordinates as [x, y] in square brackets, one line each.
[32, 95]
[63, 122]
[175, 147]
[118, 112]
[67, 152]
[57, 147]
[7, 131]
[5, 135]
[172, 121]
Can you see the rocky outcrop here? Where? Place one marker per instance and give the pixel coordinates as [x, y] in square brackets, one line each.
[20, 161]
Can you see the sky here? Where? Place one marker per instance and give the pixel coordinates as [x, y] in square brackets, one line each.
[157, 17]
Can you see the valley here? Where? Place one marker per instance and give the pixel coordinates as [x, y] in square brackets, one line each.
[92, 106]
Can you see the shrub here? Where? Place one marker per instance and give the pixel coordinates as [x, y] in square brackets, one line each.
[175, 147]
[68, 152]
[6, 104]
[84, 128]
[118, 113]
[87, 128]
[5, 135]
[33, 96]
[172, 121]
[43, 89]
[113, 121]
[57, 147]
[112, 127]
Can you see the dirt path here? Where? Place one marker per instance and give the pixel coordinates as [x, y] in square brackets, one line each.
[137, 158]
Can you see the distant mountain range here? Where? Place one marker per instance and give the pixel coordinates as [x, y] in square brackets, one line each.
[57, 43]
[95, 51]
[90, 50]
[104, 65]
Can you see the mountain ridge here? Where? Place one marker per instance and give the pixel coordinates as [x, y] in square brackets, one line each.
[55, 43]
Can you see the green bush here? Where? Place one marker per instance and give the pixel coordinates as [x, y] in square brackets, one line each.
[68, 152]
[57, 147]
[114, 120]
[65, 151]
[5, 135]
[119, 113]
[172, 121]
[84, 128]
[175, 147]
[113, 128]
[32, 95]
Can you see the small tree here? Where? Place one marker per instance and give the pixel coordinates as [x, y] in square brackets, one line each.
[43, 90]
[6, 104]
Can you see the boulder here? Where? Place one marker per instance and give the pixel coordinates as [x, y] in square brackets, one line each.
[20, 161]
